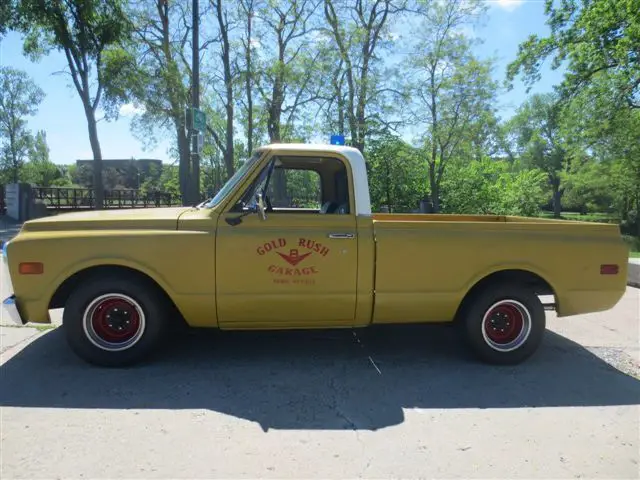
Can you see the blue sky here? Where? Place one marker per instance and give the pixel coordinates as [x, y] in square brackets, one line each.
[508, 23]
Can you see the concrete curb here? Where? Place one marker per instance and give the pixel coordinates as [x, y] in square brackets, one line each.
[633, 273]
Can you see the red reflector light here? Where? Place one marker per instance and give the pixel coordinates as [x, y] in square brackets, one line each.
[31, 268]
[609, 269]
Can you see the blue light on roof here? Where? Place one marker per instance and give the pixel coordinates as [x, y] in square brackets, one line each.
[337, 139]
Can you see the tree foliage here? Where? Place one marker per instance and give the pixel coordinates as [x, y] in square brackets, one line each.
[593, 38]
[83, 31]
[151, 71]
[453, 90]
[398, 78]
[40, 170]
[396, 177]
[19, 99]
[7, 10]
[360, 31]
[487, 186]
[540, 141]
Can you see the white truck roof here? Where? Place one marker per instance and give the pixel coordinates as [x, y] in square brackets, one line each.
[355, 159]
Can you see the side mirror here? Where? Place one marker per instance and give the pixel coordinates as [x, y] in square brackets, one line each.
[262, 211]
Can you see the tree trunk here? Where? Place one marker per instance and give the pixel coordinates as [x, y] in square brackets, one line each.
[228, 82]
[184, 170]
[340, 114]
[388, 184]
[557, 197]
[228, 154]
[557, 203]
[248, 84]
[14, 155]
[278, 178]
[98, 186]
[435, 188]
[275, 113]
[275, 106]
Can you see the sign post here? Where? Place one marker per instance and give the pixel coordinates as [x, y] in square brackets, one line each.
[198, 120]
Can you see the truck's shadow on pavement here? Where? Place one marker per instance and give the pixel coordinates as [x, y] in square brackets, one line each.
[315, 380]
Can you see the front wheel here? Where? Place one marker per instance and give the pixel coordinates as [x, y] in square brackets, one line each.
[504, 324]
[114, 322]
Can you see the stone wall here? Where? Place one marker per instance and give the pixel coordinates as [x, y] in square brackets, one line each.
[12, 200]
[19, 203]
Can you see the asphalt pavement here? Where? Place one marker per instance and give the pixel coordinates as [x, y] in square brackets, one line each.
[381, 403]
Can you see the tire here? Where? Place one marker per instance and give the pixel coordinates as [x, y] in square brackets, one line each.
[115, 321]
[504, 324]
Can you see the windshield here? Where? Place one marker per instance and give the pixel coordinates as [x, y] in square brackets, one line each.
[233, 181]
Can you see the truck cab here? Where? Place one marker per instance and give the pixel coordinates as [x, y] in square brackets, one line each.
[297, 236]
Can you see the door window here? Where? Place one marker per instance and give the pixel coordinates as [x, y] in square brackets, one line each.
[302, 185]
[292, 188]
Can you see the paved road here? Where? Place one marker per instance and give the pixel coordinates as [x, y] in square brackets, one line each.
[8, 228]
[312, 405]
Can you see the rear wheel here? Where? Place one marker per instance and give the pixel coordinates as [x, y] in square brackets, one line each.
[115, 321]
[504, 324]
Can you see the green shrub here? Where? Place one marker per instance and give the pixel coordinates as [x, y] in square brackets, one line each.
[633, 242]
[592, 217]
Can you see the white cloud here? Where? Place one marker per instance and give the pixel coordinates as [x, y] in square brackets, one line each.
[509, 5]
[129, 109]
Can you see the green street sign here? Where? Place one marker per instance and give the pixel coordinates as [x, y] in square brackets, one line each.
[199, 120]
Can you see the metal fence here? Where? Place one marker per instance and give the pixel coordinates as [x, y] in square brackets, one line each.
[63, 198]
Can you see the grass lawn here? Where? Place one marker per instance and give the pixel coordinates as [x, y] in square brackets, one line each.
[634, 254]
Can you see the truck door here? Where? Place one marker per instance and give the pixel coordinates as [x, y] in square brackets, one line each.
[297, 267]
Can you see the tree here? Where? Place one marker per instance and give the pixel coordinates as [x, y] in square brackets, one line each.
[226, 79]
[589, 188]
[248, 11]
[169, 180]
[151, 70]
[597, 41]
[287, 79]
[541, 143]
[396, 174]
[7, 9]
[19, 98]
[84, 31]
[358, 30]
[593, 38]
[618, 147]
[453, 90]
[492, 187]
[40, 170]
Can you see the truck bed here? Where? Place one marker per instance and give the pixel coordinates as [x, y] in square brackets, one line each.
[426, 263]
[427, 217]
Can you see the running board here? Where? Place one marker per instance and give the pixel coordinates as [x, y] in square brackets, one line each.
[549, 306]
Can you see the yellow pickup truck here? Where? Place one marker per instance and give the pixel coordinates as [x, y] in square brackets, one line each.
[290, 242]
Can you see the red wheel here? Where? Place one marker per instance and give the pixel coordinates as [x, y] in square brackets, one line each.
[114, 322]
[506, 325]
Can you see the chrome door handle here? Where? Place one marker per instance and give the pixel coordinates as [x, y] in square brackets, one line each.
[341, 235]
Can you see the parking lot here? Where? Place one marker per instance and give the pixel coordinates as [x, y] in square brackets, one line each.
[377, 403]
